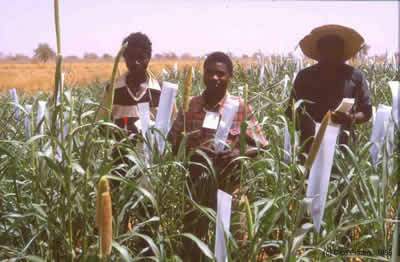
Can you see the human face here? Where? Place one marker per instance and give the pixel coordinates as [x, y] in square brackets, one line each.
[331, 49]
[136, 60]
[216, 78]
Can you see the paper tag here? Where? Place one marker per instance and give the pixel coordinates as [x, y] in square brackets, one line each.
[28, 109]
[320, 173]
[345, 105]
[395, 88]
[14, 97]
[211, 120]
[224, 205]
[228, 115]
[164, 112]
[40, 115]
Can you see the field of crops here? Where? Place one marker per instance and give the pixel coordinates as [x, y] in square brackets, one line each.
[48, 183]
[49, 171]
[31, 78]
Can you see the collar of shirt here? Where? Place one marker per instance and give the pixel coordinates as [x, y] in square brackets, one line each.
[219, 105]
[150, 83]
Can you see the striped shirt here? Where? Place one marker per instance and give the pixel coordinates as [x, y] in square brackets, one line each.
[126, 101]
[198, 135]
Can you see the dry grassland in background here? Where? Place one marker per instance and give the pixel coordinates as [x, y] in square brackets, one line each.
[32, 78]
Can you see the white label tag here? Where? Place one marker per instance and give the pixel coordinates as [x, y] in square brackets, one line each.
[345, 105]
[211, 120]
[224, 205]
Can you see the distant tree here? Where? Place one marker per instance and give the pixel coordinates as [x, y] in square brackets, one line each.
[158, 56]
[71, 58]
[186, 56]
[107, 57]
[43, 52]
[171, 56]
[19, 57]
[245, 56]
[91, 56]
[363, 53]
[257, 54]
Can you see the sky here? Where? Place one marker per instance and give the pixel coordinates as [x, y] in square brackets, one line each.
[193, 26]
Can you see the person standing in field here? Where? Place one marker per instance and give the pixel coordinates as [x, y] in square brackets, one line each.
[136, 86]
[200, 130]
[329, 81]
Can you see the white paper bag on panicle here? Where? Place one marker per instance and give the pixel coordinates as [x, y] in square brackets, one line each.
[395, 88]
[396, 239]
[65, 133]
[164, 73]
[40, 116]
[320, 173]
[287, 145]
[230, 109]
[261, 63]
[379, 129]
[373, 113]
[144, 118]
[285, 80]
[240, 91]
[59, 88]
[27, 123]
[164, 112]
[224, 205]
[14, 98]
[176, 69]
[294, 77]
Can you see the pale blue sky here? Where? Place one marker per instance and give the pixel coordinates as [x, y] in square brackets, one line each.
[194, 26]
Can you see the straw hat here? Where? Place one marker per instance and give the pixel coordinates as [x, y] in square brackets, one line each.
[352, 40]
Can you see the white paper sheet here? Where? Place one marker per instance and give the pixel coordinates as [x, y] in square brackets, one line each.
[240, 91]
[14, 98]
[320, 173]
[379, 130]
[40, 116]
[164, 72]
[164, 112]
[286, 80]
[145, 123]
[230, 109]
[396, 240]
[27, 123]
[287, 146]
[395, 88]
[345, 105]
[65, 131]
[176, 69]
[224, 205]
[261, 63]
[59, 88]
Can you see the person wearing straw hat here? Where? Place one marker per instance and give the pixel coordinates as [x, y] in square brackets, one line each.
[326, 83]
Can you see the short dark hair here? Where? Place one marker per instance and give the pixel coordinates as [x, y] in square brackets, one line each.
[219, 57]
[138, 40]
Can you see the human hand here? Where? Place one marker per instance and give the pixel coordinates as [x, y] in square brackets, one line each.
[342, 118]
[226, 156]
[211, 153]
